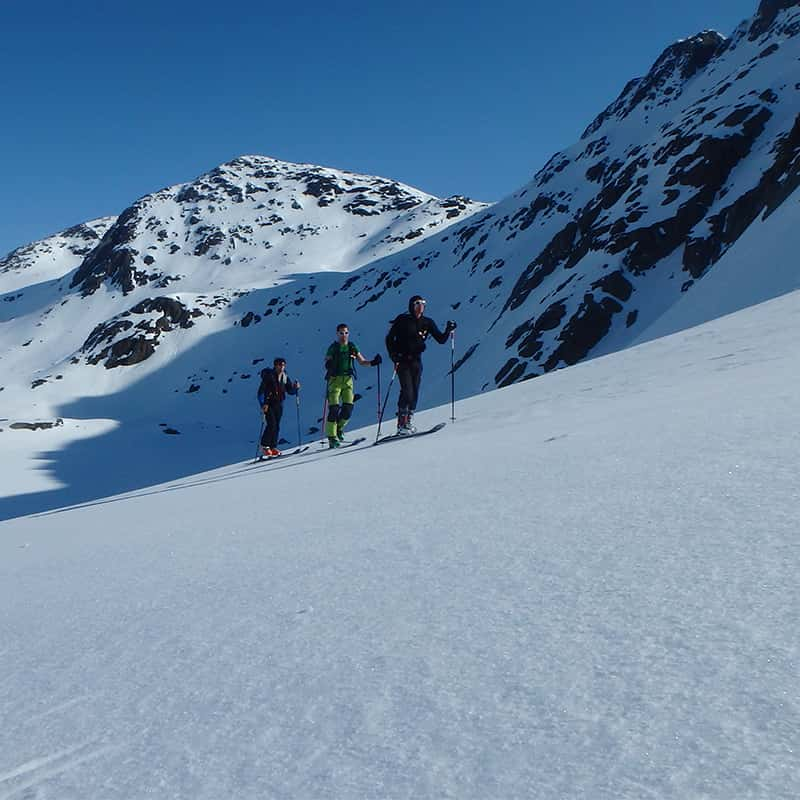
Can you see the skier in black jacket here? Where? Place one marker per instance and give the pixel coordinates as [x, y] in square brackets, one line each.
[405, 343]
[275, 385]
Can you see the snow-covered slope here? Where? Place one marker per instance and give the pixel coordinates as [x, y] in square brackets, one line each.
[585, 587]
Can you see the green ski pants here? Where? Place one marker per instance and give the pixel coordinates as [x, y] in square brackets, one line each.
[340, 403]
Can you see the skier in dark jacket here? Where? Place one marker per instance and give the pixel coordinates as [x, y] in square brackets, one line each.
[275, 385]
[405, 343]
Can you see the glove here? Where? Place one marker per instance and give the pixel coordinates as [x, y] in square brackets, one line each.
[377, 360]
[450, 327]
[296, 384]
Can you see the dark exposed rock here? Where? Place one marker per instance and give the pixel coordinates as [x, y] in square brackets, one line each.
[323, 187]
[510, 372]
[173, 312]
[707, 168]
[129, 351]
[597, 172]
[105, 331]
[526, 217]
[558, 163]
[36, 426]
[139, 346]
[616, 284]
[113, 258]
[768, 11]
[211, 238]
[775, 186]
[585, 329]
[560, 247]
[467, 355]
[82, 231]
[189, 194]
[532, 330]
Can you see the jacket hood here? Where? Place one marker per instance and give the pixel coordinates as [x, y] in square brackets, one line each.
[412, 301]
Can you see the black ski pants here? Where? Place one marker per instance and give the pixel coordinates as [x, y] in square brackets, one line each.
[272, 426]
[409, 375]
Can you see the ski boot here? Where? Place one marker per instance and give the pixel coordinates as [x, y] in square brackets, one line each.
[404, 426]
[333, 443]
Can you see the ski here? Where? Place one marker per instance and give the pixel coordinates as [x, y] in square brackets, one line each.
[396, 437]
[345, 445]
[262, 458]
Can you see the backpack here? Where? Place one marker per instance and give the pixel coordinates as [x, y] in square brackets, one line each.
[340, 363]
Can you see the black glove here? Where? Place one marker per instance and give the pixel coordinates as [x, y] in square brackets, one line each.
[450, 327]
[377, 360]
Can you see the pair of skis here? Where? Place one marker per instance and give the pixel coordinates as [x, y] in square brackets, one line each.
[286, 454]
[397, 437]
[393, 437]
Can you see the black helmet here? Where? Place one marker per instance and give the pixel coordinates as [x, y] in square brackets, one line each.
[413, 301]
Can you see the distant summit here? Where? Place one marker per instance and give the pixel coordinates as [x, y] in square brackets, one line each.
[252, 204]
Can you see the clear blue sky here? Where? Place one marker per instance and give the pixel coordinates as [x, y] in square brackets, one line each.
[102, 102]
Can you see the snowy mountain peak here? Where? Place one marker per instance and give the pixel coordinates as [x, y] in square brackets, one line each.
[254, 203]
[664, 83]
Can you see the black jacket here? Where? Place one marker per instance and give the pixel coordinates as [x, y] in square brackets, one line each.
[406, 338]
[272, 390]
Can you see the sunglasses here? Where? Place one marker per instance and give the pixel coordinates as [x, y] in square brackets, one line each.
[420, 302]
[342, 333]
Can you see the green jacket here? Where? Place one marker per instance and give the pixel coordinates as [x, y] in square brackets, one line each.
[339, 359]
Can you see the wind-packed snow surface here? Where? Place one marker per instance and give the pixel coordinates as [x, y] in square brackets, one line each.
[584, 587]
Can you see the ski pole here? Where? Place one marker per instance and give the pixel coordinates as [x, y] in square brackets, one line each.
[260, 434]
[388, 390]
[452, 377]
[299, 433]
[379, 394]
[324, 415]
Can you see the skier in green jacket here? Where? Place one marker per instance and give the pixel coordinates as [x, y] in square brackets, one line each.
[340, 374]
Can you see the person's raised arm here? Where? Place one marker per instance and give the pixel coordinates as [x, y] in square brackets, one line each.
[441, 336]
[367, 362]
